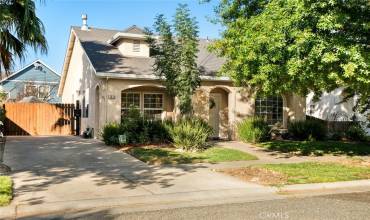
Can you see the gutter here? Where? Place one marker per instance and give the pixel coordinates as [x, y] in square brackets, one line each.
[153, 77]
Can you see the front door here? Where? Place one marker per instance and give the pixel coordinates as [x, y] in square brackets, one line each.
[214, 113]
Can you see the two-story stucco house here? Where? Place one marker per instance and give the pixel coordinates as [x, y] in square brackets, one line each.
[106, 71]
[36, 80]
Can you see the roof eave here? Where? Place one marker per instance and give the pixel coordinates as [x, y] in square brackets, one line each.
[121, 35]
[67, 59]
[153, 77]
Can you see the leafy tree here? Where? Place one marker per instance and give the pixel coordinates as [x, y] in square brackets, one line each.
[175, 54]
[19, 28]
[297, 46]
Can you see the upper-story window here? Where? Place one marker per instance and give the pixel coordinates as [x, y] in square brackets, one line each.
[40, 91]
[44, 91]
[136, 46]
[30, 90]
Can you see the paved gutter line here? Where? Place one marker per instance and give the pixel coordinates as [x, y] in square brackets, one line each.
[219, 196]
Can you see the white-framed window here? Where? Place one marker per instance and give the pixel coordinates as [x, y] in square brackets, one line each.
[43, 91]
[129, 100]
[39, 91]
[149, 103]
[153, 105]
[136, 46]
[30, 90]
[270, 108]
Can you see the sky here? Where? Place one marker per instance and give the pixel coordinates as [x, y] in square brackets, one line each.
[59, 15]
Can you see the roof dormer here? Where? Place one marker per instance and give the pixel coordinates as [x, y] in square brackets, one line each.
[131, 42]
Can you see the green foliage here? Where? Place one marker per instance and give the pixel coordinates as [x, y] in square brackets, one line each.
[280, 46]
[312, 172]
[175, 55]
[110, 133]
[319, 147]
[253, 129]
[307, 130]
[136, 129]
[190, 133]
[170, 156]
[19, 28]
[356, 133]
[6, 190]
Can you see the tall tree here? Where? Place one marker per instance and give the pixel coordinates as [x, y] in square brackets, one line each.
[297, 46]
[175, 54]
[19, 27]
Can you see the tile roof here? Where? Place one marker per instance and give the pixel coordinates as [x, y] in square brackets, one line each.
[107, 58]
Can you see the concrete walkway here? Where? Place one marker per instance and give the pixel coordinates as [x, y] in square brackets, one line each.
[50, 171]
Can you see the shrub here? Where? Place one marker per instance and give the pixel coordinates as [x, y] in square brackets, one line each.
[136, 129]
[307, 130]
[190, 133]
[110, 133]
[337, 136]
[253, 129]
[356, 133]
[159, 131]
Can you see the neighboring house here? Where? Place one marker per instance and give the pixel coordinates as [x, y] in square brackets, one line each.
[330, 107]
[36, 79]
[106, 71]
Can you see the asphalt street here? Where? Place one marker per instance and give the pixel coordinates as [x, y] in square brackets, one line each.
[337, 206]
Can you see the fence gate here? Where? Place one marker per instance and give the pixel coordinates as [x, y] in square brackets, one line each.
[39, 119]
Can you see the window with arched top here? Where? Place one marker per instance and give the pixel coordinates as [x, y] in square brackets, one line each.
[149, 103]
[270, 108]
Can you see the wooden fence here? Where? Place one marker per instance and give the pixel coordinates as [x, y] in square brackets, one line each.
[39, 119]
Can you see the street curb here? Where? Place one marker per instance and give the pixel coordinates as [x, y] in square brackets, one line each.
[297, 188]
[142, 202]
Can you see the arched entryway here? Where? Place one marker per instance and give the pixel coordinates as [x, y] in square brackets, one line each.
[218, 112]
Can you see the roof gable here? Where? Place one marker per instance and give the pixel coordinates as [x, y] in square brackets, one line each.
[35, 71]
[134, 30]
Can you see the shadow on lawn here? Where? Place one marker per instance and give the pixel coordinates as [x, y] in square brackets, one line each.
[319, 148]
[43, 163]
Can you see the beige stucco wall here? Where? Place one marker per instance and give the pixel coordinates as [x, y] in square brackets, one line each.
[125, 46]
[237, 103]
[116, 86]
[81, 81]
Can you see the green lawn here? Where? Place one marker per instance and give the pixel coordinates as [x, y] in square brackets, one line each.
[319, 147]
[311, 172]
[6, 190]
[170, 156]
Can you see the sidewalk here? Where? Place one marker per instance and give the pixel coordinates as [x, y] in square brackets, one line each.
[143, 203]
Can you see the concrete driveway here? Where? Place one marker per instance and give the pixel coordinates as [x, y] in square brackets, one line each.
[60, 169]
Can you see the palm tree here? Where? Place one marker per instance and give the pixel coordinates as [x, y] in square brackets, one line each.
[19, 28]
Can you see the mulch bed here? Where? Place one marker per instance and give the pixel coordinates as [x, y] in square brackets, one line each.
[257, 175]
[128, 147]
